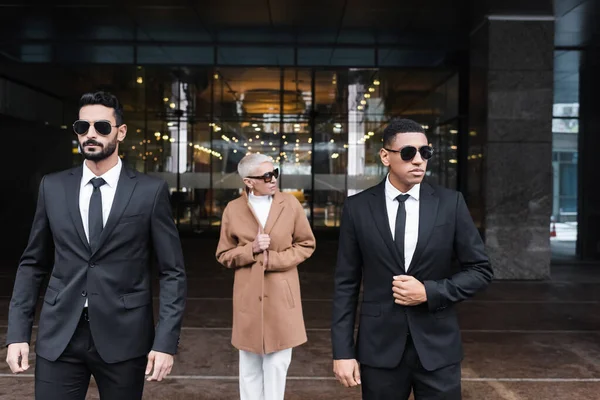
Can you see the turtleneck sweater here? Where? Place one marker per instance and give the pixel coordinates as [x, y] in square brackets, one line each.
[261, 206]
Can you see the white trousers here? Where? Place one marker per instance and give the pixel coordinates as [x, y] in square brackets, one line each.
[263, 377]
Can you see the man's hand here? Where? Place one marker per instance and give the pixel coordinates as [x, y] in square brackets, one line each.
[347, 372]
[17, 357]
[162, 363]
[408, 291]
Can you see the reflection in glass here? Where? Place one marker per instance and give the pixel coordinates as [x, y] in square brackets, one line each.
[565, 125]
[321, 127]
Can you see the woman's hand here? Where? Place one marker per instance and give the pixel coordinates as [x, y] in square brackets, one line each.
[261, 243]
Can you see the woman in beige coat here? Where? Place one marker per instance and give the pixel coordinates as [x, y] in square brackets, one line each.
[264, 236]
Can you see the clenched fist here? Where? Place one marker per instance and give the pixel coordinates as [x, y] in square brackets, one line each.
[261, 243]
[408, 291]
[347, 372]
[17, 357]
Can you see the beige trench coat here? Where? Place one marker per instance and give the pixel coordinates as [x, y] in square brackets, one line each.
[267, 309]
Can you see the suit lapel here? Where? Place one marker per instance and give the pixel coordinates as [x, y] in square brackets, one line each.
[127, 182]
[380, 217]
[72, 188]
[428, 206]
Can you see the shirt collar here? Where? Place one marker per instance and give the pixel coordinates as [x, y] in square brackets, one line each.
[391, 192]
[111, 176]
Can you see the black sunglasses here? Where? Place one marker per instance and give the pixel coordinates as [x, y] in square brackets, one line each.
[81, 127]
[268, 177]
[409, 152]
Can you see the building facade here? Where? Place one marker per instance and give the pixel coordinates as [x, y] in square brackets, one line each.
[312, 86]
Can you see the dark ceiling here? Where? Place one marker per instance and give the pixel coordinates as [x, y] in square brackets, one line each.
[292, 21]
[426, 24]
[333, 33]
[422, 24]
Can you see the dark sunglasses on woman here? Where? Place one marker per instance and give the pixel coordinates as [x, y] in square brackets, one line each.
[268, 177]
[82, 127]
[409, 152]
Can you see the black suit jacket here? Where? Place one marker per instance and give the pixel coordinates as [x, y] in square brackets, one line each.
[367, 253]
[115, 277]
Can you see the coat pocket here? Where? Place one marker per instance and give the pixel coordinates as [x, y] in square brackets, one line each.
[125, 219]
[370, 309]
[136, 299]
[443, 313]
[241, 301]
[287, 292]
[51, 295]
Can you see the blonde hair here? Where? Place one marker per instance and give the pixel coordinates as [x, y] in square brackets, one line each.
[250, 162]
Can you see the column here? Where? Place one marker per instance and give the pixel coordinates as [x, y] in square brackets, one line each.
[510, 142]
[588, 234]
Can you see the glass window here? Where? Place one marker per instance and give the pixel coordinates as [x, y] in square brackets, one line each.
[322, 127]
[565, 110]
[565, 125]
[565, 132]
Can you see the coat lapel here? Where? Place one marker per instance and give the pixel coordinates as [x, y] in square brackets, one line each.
[380, 217]
[277, 207]
[72, 189]
[428, 207]
[127, 182]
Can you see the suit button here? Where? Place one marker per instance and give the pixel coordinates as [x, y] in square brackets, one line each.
[84, 293]
[92, 265]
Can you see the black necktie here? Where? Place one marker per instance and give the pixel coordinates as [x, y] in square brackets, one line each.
[400, 225]
[95, 213]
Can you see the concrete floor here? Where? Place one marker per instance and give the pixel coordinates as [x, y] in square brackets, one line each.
[523, 340]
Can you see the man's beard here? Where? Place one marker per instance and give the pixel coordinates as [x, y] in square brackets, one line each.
[104, 152]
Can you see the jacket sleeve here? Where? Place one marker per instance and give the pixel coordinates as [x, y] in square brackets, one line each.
[171, 274]
[346, 287]
[303, 244]
[476, 272]
[230, 253]
[33, 267]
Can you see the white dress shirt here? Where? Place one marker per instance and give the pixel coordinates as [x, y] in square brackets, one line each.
[261, 206]
[107, 191]
[411, 231]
